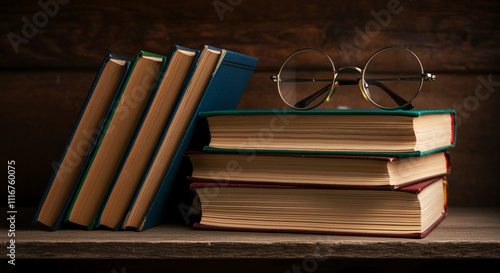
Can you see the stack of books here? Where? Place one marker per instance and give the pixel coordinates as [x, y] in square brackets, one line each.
[126, 146]
[347, 172]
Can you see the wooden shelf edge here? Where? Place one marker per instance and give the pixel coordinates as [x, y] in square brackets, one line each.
[466, 233]
[257, 251]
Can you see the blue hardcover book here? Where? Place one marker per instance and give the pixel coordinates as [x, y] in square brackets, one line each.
[82, 141]
[218, 81]
[158, 112]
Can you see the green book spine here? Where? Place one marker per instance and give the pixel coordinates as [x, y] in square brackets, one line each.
[409, 113]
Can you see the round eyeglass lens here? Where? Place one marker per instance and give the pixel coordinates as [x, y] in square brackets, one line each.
[305, 79]
[392, 78]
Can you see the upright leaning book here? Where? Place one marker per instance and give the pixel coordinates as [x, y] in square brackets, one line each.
[218, 81]
[115, 139]
[352, 132]
[177, 73]
[87, 129]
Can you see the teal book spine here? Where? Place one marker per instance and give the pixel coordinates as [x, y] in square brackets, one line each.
[409, 113]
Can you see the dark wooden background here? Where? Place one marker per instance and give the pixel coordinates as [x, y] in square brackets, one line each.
[45, 78]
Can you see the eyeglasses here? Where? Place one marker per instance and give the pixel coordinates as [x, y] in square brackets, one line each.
[391, 79]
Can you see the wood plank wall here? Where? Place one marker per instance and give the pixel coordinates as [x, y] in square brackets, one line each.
[50, 51]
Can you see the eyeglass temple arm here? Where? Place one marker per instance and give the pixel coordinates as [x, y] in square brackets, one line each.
[398, 99]
[309, 99]
[424, 76]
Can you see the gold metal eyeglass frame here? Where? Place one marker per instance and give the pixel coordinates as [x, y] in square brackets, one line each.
[362, 82]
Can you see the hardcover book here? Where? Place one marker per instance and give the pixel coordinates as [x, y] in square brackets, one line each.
[351, 132]
[115, 139]
[81, 144]
[157, 114]
[411, 212]
[319, 170]
[218, 81]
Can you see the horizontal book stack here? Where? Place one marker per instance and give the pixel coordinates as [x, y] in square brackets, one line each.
[347, 172]
[126, 146]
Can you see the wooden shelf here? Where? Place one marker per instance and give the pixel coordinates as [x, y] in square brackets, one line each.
[465, 233]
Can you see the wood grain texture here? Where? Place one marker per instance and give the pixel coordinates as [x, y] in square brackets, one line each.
[45, 83]
[447, 35]
[466, 233]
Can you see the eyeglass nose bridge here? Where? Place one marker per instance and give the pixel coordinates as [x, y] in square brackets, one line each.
[355, 68]
[336, 83]
[358, 81]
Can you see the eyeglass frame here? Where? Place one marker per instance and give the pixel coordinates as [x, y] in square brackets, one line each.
[332, 87]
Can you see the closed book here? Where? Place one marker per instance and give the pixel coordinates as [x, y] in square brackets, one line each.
[319, 170]
[158, 112]
[351, 132]
[115, 139]
[81, 144]
[217, 83]
[409, 212]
